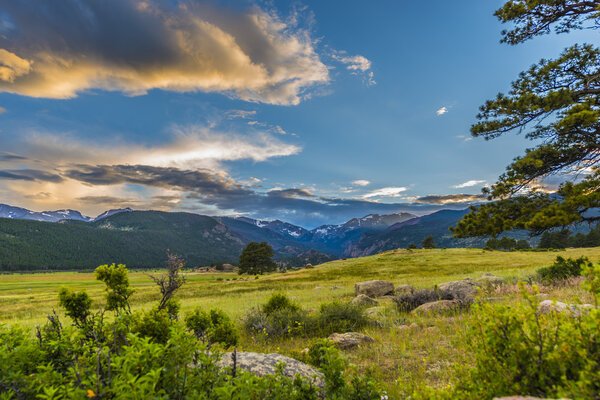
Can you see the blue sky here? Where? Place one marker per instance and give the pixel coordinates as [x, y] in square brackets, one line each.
[312, 112]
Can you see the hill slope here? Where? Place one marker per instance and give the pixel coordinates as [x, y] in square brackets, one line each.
[138, 239]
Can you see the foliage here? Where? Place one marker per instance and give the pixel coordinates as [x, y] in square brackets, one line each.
[561, 239]
[256, 258]
[149, 355]
[117, 287]
[409, 301]
[76, 304]
[558, 103]
[278, 302]
[212, 327]
[340, 317]
[517, 349]
[429, 243]
[280, 317]
[563, 269]
[506, 243]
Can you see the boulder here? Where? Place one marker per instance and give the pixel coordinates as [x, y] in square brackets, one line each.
[550, 306]
[489, 280]
[465, 289]
[350, 339]
[228, 268]
[374, 288]
[522, 398]
[364, 301]
[403, 289]
[437, 307]
[266, 364]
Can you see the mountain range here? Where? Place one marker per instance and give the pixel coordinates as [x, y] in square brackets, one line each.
[65, 239]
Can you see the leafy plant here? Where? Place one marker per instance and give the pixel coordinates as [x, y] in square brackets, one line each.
[563, 269]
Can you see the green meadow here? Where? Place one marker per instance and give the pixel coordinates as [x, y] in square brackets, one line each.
[400, 357]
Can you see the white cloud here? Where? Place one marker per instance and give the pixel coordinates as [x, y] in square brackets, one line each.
[355, 63]
[243, 114]
[191, 147]
[385, 192]
[442, 111]
[361, 182]
[465, 138]
[468, 184]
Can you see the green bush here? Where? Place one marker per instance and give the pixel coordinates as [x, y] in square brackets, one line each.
[518, 350]
[340, 317]
[280, 317]
[278, 302]
[562, 269]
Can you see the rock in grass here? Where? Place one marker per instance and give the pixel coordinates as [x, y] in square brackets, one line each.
[550, 306]
[522, 398]
[437, 307]
[266, 364]
[350, 339]
[465, 289]
[374, 288]
[403, 289]
[364, 301]
[489, 280]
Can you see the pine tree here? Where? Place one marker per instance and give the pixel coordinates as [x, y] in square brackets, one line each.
[256, 259]
[557, 102]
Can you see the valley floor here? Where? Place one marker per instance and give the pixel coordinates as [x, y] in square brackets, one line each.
[402, 358]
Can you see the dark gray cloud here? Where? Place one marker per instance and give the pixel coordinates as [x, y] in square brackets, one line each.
[291, 193]
[12, 157]
[30, 175]
[107, 200]
[451, 198]
[204, 182]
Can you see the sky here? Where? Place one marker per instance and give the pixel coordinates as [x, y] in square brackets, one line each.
[312, 112]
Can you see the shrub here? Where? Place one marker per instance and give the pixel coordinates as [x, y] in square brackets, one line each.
[340, 317]
[562, 269]
[277, 302]
[212, 327]
[409, 301]
[281, 317]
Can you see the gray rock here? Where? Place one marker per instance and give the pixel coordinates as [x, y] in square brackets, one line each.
[374, 288]
[550, 306]
[437, 307]
[404, 289]
[266, 364]
[364, 301]
[350, 339]
[465, 289]
[489, 280]
[522, 398]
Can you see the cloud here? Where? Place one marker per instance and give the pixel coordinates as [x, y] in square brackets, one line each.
[29, 175]
[450, 198]
[356, 64]
[385, 192]
[190, 147]
[290, 193]
[361, 182]
[2, 110]
[243, 114]
[468, 184]
[4, 156]
[442, 111]
[58, 50]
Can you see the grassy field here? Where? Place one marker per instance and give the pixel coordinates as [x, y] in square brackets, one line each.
[400, 357]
